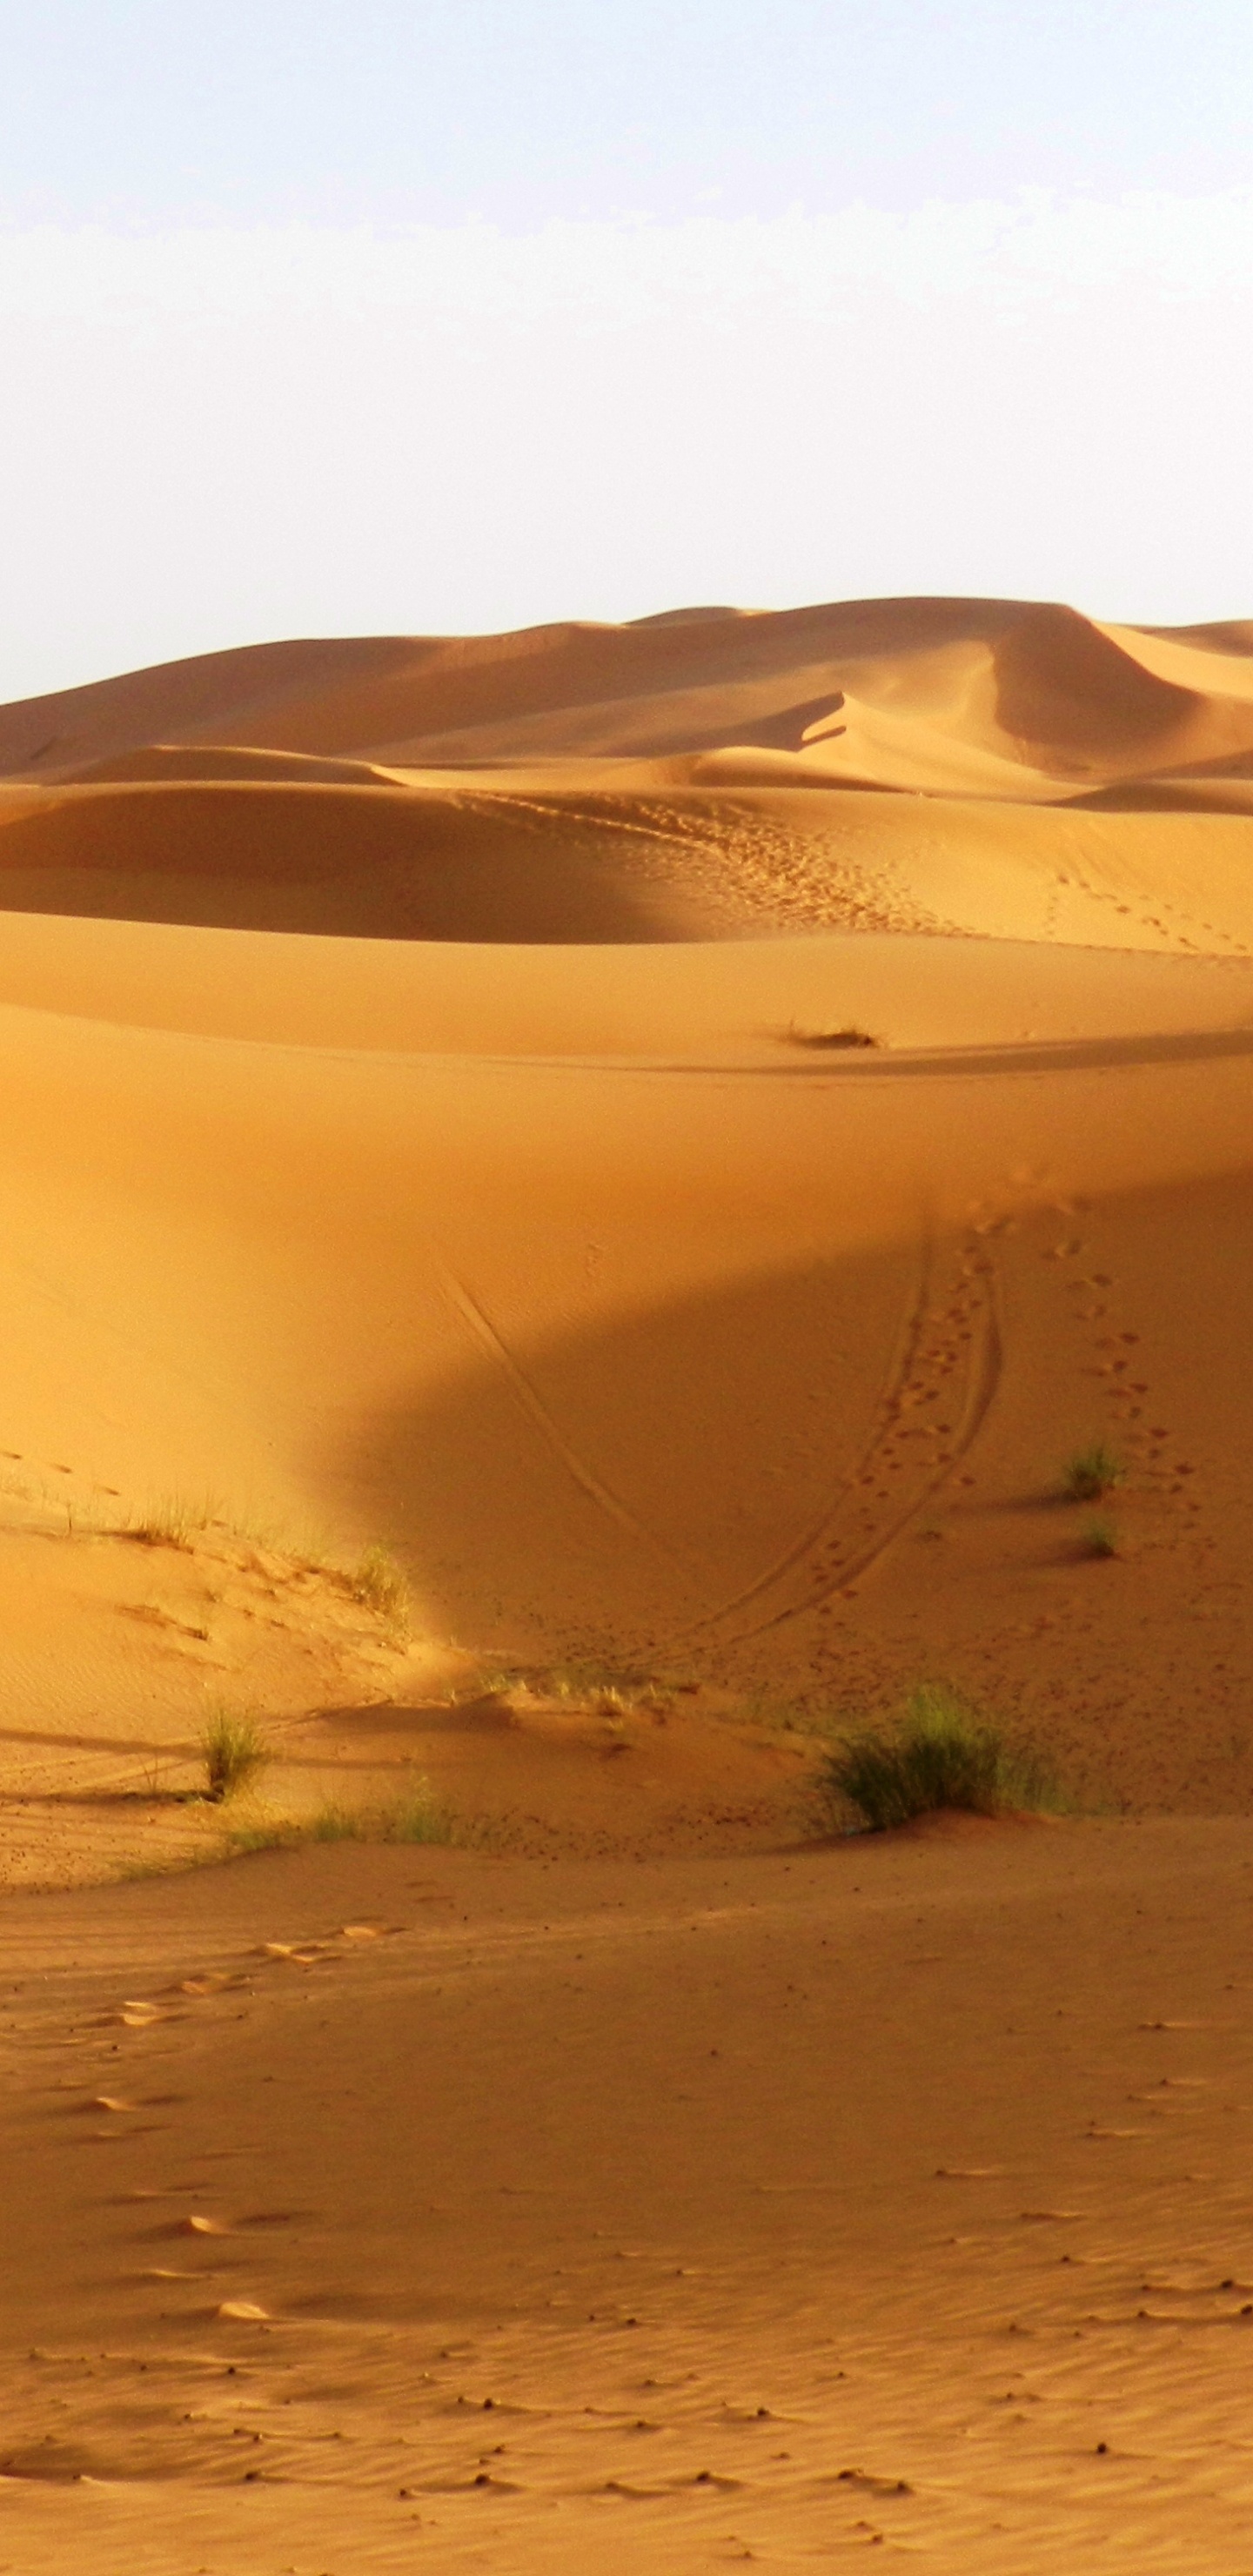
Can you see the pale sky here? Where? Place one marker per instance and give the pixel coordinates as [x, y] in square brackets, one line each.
[383, 318]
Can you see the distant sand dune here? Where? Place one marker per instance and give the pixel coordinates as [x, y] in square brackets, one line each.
[1042, 687]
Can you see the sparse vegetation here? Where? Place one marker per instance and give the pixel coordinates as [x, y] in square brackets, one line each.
[417, 1816]
[1099, 1536]
[233, 1749]
[1092, 1473]
[833, 1038]
[171, 1520]
[608, 1689]
[943, 1753]
[380, 1585]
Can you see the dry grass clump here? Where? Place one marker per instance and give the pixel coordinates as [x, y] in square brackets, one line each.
[1098, 1537]
[1092, 1473]
[171, 1520]
[417, 1816]
[611, 1702]
[379, 1584]
[848, 1036]
[942, 1754]
[233, 1750]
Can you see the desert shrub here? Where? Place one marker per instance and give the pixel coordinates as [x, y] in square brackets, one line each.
[941, 1754]
[233, 1749]
[1099, 1537]
[1092, 1472]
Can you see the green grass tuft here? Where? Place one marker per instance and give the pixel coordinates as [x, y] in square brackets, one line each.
[942, 1754]
[1091, 1473]
[256, 1838]
[1099, 1537]
[233, 1749]
[417, 1816]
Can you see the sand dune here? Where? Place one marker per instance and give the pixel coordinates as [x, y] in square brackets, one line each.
[946, 765]
[1040, 687]
[428, 1156]
[674, 1133]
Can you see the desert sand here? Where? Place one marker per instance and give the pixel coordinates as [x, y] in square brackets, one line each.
[663, 1139]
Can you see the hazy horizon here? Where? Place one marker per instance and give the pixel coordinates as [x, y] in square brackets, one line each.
[328, 323]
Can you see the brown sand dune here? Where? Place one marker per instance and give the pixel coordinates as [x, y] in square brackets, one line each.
[676, 1133]
[1041, 687]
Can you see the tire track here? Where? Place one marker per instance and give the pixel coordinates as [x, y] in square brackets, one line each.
[958, 1340]
[898, 1376]
[532, 1403]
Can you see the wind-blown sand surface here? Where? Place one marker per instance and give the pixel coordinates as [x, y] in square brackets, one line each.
[675, 1132]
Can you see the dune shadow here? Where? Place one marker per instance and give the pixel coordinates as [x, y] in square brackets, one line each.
[351, 862]
[99, 1744]
[607, 1490]
[488, 1715]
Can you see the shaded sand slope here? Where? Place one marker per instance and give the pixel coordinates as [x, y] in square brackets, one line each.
[651, 2218]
